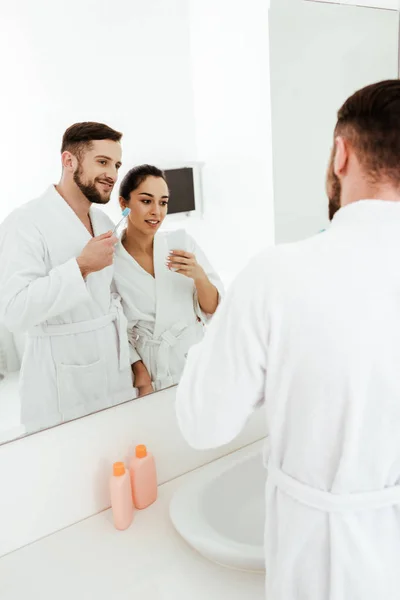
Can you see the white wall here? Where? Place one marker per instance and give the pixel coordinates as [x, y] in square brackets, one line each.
[230, 61]
[126, 63]
[320, 54]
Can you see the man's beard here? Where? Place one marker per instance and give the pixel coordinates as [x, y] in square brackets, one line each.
[89, 189]
[333, 188]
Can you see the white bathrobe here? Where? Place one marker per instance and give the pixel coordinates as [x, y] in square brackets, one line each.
[163, 312]
[76, 358]
[312, 330]
[9, 359]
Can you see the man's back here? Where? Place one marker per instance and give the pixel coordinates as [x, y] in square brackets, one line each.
[312, 331]
[332, 397]
[334, 316]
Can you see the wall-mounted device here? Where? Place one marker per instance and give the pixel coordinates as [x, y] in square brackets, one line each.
[184, 182]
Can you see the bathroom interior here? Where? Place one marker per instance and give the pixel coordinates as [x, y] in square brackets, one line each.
[234, 93]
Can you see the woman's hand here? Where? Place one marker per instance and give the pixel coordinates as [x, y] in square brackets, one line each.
[141, 377]
[144, 390]
[186, 264]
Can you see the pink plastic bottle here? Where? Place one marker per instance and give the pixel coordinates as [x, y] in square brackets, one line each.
[142, 469]
[121, 497]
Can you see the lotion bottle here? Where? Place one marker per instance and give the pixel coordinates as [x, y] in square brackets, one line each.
[143, 475]
[121, 497]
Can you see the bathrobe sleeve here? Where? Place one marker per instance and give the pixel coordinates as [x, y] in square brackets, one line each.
[224, 377]
[212, 276]
[9, 360]
[134, 356]
[29, 295]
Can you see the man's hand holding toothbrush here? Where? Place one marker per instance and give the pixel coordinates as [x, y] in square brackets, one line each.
[97, 254]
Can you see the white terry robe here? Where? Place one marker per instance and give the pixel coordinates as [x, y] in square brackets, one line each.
[312, 331]
[163, 312]
[76, 357]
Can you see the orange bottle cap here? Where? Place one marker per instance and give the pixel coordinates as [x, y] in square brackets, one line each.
[141, 451]
[118, 469]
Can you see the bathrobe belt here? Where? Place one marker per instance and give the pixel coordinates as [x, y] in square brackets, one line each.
[332, 502]
[165, 341]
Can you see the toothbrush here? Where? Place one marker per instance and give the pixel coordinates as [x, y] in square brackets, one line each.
[125, 213]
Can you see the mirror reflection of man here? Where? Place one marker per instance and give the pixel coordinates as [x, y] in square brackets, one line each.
[312, 330]
[56, 276]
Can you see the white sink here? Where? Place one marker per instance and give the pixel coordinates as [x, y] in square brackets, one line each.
[221, 514]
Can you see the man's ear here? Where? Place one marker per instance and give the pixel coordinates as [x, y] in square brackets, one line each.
[341, 156]
[68, 161]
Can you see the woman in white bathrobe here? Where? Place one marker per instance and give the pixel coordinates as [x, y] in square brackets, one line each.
[169, 289]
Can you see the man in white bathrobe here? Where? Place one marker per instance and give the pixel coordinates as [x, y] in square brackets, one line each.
[311, 330]
[56, 274]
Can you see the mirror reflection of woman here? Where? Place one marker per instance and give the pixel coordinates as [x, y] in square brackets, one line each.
[169, 289]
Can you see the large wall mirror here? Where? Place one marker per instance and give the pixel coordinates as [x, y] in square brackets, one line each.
[88, 320]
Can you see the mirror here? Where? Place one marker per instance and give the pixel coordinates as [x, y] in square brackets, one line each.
[89, 321]
[72, 325]
[319, 55]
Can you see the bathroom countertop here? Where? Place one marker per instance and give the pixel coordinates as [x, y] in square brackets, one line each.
[148, 561]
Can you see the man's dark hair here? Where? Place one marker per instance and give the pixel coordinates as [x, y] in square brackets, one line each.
[370, 121]
[135, 177]
[79, 137]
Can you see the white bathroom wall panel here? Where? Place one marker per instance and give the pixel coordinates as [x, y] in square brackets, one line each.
[320, 54]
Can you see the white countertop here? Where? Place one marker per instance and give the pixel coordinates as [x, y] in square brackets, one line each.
[148, 561]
